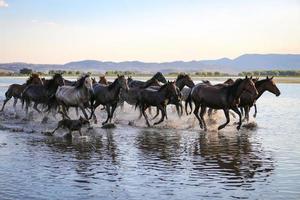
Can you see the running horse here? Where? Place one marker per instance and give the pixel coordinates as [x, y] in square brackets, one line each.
[76, 96]
[223, 97]
[42, 94]
[108, 96]
[141, 84]
[15, 90]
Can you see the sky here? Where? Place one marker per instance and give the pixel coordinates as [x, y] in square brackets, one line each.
[59, 31]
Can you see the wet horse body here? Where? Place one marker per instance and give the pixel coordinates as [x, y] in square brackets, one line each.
[223, 97]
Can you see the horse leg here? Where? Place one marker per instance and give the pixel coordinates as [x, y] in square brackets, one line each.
[36, 108]
[226, 112]
[246, 109]
[143, 109]
[157, 113]
[5, 101]
[209, 113]
[196, 113]
[236, 110]
[108, 114]
[202, 112]
[77, 113]
[255, 110]
[242, 111]
[113, 108]
[79, 130]
[165, 109]
[163, 114]
[83, 111]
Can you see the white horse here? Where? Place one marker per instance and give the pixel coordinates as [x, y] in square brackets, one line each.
[76, 96]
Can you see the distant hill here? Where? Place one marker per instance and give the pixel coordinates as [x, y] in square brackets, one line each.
[246, 62]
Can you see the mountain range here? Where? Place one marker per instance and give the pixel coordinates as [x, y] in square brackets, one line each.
[246, 62]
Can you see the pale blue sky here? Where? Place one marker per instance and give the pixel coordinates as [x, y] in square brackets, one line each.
[58, 31]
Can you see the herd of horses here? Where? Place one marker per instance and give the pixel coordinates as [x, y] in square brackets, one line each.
[58, 95]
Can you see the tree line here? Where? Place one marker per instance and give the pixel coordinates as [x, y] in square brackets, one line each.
[271, 73]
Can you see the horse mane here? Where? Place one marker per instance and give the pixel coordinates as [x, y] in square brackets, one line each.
[157, 74]
[165, 85]
[260, 82]
[233, 88]
[79, 83]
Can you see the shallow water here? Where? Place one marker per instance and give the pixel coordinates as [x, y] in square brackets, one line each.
[173, 161]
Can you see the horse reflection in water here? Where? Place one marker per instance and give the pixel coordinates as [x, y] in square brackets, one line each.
[230, 158]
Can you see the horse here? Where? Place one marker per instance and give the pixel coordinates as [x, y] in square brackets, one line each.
[224, 97]
[75, 96]
[158, 76]
[247, 100]
[108, 95]
[42, 93]
[15, 90]
[181, 81]
[158, 98]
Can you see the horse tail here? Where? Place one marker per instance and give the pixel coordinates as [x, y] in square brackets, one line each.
[92, 100]
[8, 93]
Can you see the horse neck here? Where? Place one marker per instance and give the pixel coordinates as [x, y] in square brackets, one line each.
[114, 87]
[260, 86]
[180, 84]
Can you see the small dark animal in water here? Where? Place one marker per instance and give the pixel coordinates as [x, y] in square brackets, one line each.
[72, 125]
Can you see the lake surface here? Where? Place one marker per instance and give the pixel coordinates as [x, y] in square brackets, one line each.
[172, 161]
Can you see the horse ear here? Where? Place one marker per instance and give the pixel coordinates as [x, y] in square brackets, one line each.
[267, 77]
[272, 77]
[246, 76]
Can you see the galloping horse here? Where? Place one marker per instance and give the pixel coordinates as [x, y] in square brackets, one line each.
[108, 95]
[42, 93]
[158, 98]
[15, 90]
[247, 99]
[220, 97]
[103, 80]
[141, 84]
[75, 96]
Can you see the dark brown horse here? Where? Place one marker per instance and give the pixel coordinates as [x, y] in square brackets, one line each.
[42, 94]
[224, 97]
[15, 90]
[141, 84]
[108, 95]
[248, 100]
[159, 98]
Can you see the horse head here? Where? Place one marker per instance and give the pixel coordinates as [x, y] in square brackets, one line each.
[58, 79]
[271, 86]
[103, 80]
[123, 82]
[86, 82]
[160, 77]
[186, 80]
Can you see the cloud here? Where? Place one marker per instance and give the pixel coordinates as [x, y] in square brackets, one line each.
[3, 4]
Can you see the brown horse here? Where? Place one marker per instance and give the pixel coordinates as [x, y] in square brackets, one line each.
[248, 100]
[224, 97]
[15, 90]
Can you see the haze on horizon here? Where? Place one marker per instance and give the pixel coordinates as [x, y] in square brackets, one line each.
[59, 31]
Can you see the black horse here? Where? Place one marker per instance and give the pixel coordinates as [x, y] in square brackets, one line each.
[158, 98]
[108, 95]
[42, 94]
